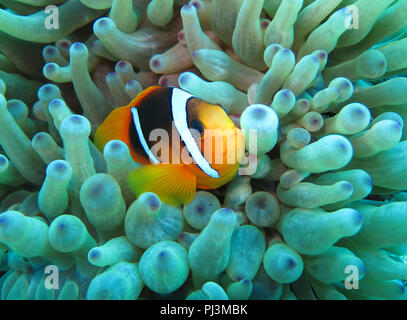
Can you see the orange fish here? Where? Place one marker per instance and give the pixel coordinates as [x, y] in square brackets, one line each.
[184, 143]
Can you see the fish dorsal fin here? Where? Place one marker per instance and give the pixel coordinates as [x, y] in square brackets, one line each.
[115, 127]
[172, 183]
[142, 95]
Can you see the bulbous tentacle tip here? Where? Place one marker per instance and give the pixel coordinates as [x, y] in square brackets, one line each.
[123, 64]
[56, 104]
[154, 202]
[64, 43]
[258, 112]
[59, 166]
[50, 68]
[3, 160]
[227, 211]
[114, 145]
[290, 263]
[358, 219]
[347, 186]
[104, 28]
[183, 78]
[163, 254]
[75, 126]
[97, 189]
[78, 50]
[103, 24]
[188, 7]
[46, 89]
[95, 253]
[3, 221]
[155, 62]
[110, 75]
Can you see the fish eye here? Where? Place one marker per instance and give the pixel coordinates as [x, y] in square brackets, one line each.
[197, 125]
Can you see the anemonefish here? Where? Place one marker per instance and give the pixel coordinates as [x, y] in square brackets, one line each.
[184, 143]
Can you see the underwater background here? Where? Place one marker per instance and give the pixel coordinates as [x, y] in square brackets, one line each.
[324, 215]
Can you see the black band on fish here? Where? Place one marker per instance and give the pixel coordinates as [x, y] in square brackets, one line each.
[154, 112]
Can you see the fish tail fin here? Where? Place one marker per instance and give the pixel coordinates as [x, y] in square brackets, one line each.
[172, 183]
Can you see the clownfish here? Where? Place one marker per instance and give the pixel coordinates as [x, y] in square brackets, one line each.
[183, 142]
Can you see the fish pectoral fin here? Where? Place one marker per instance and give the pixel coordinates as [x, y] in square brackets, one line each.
[172, 183]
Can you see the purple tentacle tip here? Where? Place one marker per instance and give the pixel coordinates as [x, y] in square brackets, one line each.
[154, 203]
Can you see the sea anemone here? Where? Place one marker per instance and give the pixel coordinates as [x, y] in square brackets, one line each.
[322, 214]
